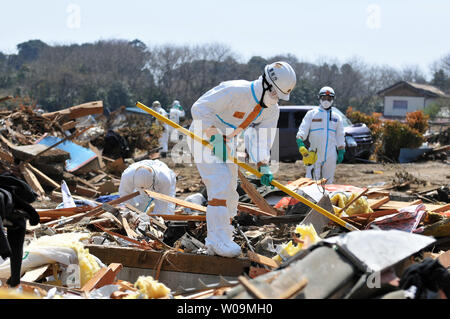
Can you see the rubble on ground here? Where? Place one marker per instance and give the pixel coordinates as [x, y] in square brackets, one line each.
[292, 250]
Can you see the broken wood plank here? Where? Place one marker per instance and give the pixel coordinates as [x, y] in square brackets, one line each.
[97, 178]
[198, 218]
[63, 212]
[177, 201]
[263, 260]
[77, 111]
[256, 197]
[103, 277]
[374, 204]
[174, 261]
[85, 191]
[68, 125]
[47, 180]
[32, 180]
[130, 233]
[441, 209]
[85, 182]
[252, 210]
[399, 205]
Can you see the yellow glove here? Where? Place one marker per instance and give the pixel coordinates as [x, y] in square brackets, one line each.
[303, 151]
[309, 158]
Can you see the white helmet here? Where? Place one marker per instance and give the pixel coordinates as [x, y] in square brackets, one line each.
[282, 76]
[144, 177]
[326, 91]
[176, 102]
[329, 92]
[156, 104]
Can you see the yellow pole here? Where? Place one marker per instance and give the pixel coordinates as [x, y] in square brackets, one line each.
[247, 167]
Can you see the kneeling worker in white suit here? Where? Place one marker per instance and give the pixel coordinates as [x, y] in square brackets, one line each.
[152, 175]
[325, 132]
[220, 115]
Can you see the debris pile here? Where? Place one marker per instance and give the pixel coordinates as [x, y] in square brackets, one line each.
[101, 247]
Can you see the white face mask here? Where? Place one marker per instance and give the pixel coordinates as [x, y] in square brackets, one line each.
[326, 104]
[271, 98]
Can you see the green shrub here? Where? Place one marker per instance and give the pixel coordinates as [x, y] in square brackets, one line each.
[395, 136]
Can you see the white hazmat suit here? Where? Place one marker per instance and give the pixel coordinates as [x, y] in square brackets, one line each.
[176, 112]
[325, 135]
[152, 175]
[164, 139]
[228, 106]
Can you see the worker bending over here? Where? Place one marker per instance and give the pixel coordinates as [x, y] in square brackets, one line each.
[325, 132]
[220, 115]
[152, 175]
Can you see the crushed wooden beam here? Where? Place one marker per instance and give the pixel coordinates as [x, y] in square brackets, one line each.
[103, 277]
[77, 111]
[256, 197]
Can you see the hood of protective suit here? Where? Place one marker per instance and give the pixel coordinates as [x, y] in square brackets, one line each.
[270, 98]
[144, 178]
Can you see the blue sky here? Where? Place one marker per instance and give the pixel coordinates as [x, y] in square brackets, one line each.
[396, 33]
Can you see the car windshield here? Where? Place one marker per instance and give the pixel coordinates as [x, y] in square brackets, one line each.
[345, 119]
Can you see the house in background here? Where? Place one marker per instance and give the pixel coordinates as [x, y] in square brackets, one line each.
[405, 97]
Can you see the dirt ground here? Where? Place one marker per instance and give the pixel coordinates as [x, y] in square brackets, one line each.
[423, 175]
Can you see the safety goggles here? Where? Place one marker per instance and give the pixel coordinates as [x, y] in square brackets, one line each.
[327, 98]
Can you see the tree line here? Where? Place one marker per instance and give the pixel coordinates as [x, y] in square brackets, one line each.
[121, 72]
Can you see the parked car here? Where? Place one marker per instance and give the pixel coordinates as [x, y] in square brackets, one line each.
[358, 138]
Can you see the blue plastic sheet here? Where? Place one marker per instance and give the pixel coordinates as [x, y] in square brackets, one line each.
[79, 155]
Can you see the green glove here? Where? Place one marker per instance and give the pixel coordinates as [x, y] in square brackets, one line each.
[267, 176]
[340, 156]
[300, 143]
[219, 147]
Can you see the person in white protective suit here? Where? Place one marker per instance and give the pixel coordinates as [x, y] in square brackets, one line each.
[152, 175]
[219, 116]
[176, 112]
[325, 132]
[164, 139]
